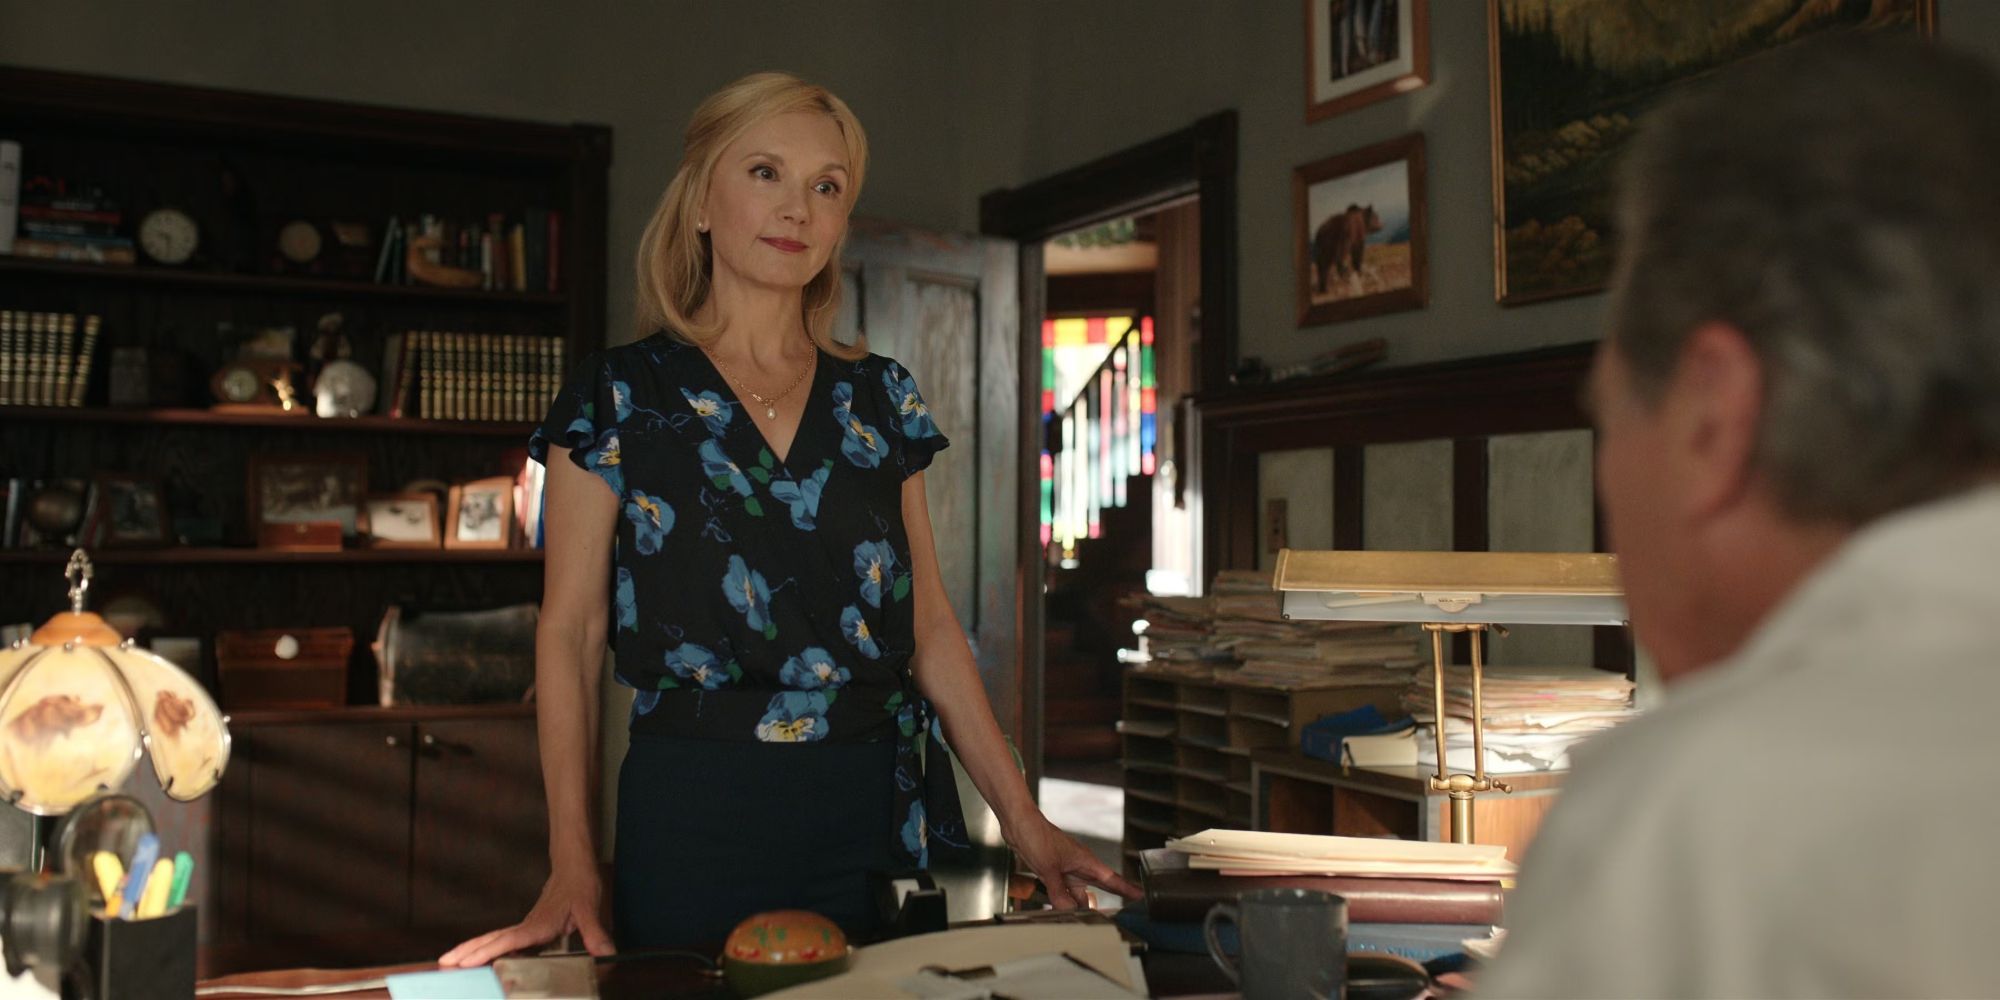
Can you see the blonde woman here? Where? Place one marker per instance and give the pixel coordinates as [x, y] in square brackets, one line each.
[736, 503]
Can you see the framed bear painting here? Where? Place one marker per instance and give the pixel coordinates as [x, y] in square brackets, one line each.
[1359, 245]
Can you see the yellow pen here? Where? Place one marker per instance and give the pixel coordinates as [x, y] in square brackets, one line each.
[153, 900]
[110, 878]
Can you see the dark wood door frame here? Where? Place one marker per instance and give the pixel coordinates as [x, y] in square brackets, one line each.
[1198, 160]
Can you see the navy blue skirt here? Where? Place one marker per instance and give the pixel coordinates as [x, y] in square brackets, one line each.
[712, 831]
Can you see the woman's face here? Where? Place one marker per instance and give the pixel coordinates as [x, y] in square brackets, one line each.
[777, 203]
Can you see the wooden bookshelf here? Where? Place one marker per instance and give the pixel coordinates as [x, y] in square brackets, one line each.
[1188, 744]
[192, 417]
[192, 555]
[210, 282]
[338, 836]
[144, 146]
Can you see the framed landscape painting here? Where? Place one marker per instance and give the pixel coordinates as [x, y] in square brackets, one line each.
[1571, 80]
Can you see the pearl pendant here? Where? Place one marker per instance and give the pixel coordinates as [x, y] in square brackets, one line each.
[771, 411]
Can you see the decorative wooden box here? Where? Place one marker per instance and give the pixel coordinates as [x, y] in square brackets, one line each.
[261, 669]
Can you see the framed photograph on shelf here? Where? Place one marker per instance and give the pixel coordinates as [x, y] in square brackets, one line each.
[128, 512]
[1361, 51]
[1359, 242]
[401, 521]
[1570, 83]
[302, 499]
[480, 514]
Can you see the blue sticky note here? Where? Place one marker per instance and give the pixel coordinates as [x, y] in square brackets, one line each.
[447, 984]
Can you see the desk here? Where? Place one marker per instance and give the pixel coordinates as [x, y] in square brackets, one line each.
[639, 978]
[1167, 975]
[1293, 793]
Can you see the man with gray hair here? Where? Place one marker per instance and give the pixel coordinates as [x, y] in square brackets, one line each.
[1798, 417]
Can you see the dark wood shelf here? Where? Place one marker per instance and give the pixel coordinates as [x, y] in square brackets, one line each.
[191, 416]
[264, 284]
[378, 713]
[199, 556]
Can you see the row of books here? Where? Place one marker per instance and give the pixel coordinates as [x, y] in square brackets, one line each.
[514, 255]
[45, 357]
[74, 227]
[441, 375]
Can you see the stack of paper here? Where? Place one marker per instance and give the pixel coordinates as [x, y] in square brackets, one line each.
[1296, 654]
[1534, 715]
[1250, 852]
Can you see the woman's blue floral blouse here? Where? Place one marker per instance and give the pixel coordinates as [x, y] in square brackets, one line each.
[756, 597]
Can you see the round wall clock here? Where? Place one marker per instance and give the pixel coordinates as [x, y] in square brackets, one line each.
[299, 241]
[169, 236]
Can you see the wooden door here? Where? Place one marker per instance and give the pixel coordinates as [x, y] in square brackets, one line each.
[946, 305]
[329, 828]
[479, 834]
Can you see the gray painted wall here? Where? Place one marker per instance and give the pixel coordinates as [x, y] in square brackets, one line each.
[637, 67]
[959, 98]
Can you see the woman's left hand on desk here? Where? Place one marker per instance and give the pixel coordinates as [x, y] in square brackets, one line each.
[1067, 869]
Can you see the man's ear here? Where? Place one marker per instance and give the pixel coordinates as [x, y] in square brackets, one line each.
[1716, 404]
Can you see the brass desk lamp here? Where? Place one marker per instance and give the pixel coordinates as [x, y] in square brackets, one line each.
[1453, 592]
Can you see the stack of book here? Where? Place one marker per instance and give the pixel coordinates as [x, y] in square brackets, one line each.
[85, 228]
[1534, 715]
[439, 375]
[45, 358]
[1417, 899]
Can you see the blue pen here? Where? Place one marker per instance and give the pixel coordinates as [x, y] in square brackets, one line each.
[143, 859]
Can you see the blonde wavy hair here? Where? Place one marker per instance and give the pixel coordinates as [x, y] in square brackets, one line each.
[676, 265]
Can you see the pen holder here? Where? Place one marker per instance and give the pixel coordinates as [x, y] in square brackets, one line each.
[143, 959]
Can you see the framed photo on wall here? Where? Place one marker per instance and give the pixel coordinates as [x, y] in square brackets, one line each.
[401, 521]
[481, 514]
[1361, 51]
[306, 489]
[1570, 82]
[1359, 243]
[128, 512]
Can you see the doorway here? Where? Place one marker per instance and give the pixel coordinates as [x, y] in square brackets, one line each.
[1127, 312]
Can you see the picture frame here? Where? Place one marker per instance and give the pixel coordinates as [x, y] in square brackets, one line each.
[128, 512]
[1362, 51]
[480, 514]
[1360, 235]
[401, 521]
[1553, 146]
[320, 488]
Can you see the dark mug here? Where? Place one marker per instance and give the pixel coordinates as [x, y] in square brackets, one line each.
[1292, 943]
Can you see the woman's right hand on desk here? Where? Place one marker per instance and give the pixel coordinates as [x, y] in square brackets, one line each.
[569, 902]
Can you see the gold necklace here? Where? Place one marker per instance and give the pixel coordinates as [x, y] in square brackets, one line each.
[770, 403]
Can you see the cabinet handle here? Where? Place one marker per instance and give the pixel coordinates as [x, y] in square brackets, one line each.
[430, 740]
[393, 741]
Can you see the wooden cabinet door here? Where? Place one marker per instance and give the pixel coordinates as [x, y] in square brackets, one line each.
[329, 828]
[480, 830]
